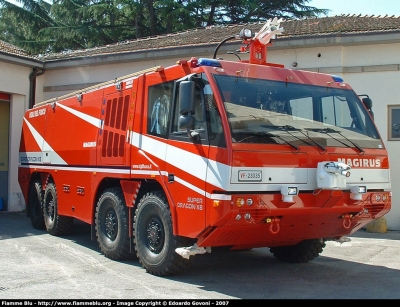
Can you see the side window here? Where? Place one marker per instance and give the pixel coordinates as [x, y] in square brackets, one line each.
[206, 118]
[339, 112]
[159, 104]
[335, 111]
[199, 110]
[214, 123]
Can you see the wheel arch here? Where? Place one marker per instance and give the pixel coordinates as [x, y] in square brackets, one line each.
[106, 183]
[133, 190]
[153, 185]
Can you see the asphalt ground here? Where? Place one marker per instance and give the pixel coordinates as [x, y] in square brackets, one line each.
[35, 265]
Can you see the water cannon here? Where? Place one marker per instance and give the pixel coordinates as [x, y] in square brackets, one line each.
[337, 168]
[332, 175]
[269, 31]
[257, 45]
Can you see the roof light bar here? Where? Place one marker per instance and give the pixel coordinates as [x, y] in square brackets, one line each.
[208, 62]
[337, 78]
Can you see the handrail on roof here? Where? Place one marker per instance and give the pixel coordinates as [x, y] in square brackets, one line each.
[152, 69]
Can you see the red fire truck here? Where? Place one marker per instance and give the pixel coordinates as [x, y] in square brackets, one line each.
[171, 162]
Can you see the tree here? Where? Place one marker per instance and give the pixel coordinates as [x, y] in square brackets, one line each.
[38, 26]
[20, 25]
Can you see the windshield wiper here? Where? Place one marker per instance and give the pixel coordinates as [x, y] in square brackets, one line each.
[268, 135]
[289, 128]
[330, 130]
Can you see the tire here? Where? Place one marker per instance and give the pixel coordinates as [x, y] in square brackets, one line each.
[35, 205]
[155, 243]
[302, 252]
[56, 225]
[112, 225]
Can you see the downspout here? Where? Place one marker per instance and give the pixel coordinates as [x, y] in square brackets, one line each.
[32, 84]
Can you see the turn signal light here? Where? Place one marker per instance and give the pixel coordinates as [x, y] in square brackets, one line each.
[240, 202]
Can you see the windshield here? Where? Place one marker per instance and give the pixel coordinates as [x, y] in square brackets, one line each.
[263, 111]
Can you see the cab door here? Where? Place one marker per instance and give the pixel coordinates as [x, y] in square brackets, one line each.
[187, 164]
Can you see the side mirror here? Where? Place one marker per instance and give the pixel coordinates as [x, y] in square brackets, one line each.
[186, 98]
[368, 104]
[187, 109]
[185, 122]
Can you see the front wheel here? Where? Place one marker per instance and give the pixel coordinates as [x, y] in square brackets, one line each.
[302, 252]
[155, 242]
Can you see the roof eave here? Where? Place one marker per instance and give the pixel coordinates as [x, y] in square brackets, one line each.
[20, 60]
[207, 50]
[331, 39]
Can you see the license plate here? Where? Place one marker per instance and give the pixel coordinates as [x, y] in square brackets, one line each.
[249, 176]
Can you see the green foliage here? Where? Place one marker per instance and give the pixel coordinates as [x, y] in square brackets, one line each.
[38, 26]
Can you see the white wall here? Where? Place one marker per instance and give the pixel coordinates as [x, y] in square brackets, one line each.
[15, 198]
[383, 88]
[308, 58]
[379, 54]
[91, 74]
[16, 83]
[14, 79]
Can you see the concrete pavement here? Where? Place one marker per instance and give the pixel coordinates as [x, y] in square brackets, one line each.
[36, 265]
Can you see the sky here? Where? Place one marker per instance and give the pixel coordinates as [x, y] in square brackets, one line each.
[363, 7]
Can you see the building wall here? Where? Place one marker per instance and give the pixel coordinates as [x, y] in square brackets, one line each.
[383, 88]
[369, 69]
[4, 149]
[19, 103]
[62, 81]
[16, 83]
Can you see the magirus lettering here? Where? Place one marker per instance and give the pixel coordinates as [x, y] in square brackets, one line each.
[360, 162]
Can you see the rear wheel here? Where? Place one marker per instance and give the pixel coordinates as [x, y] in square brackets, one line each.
[154, 240]
[56, 225]
[112, 225]
[35, 206]
[302, 252]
